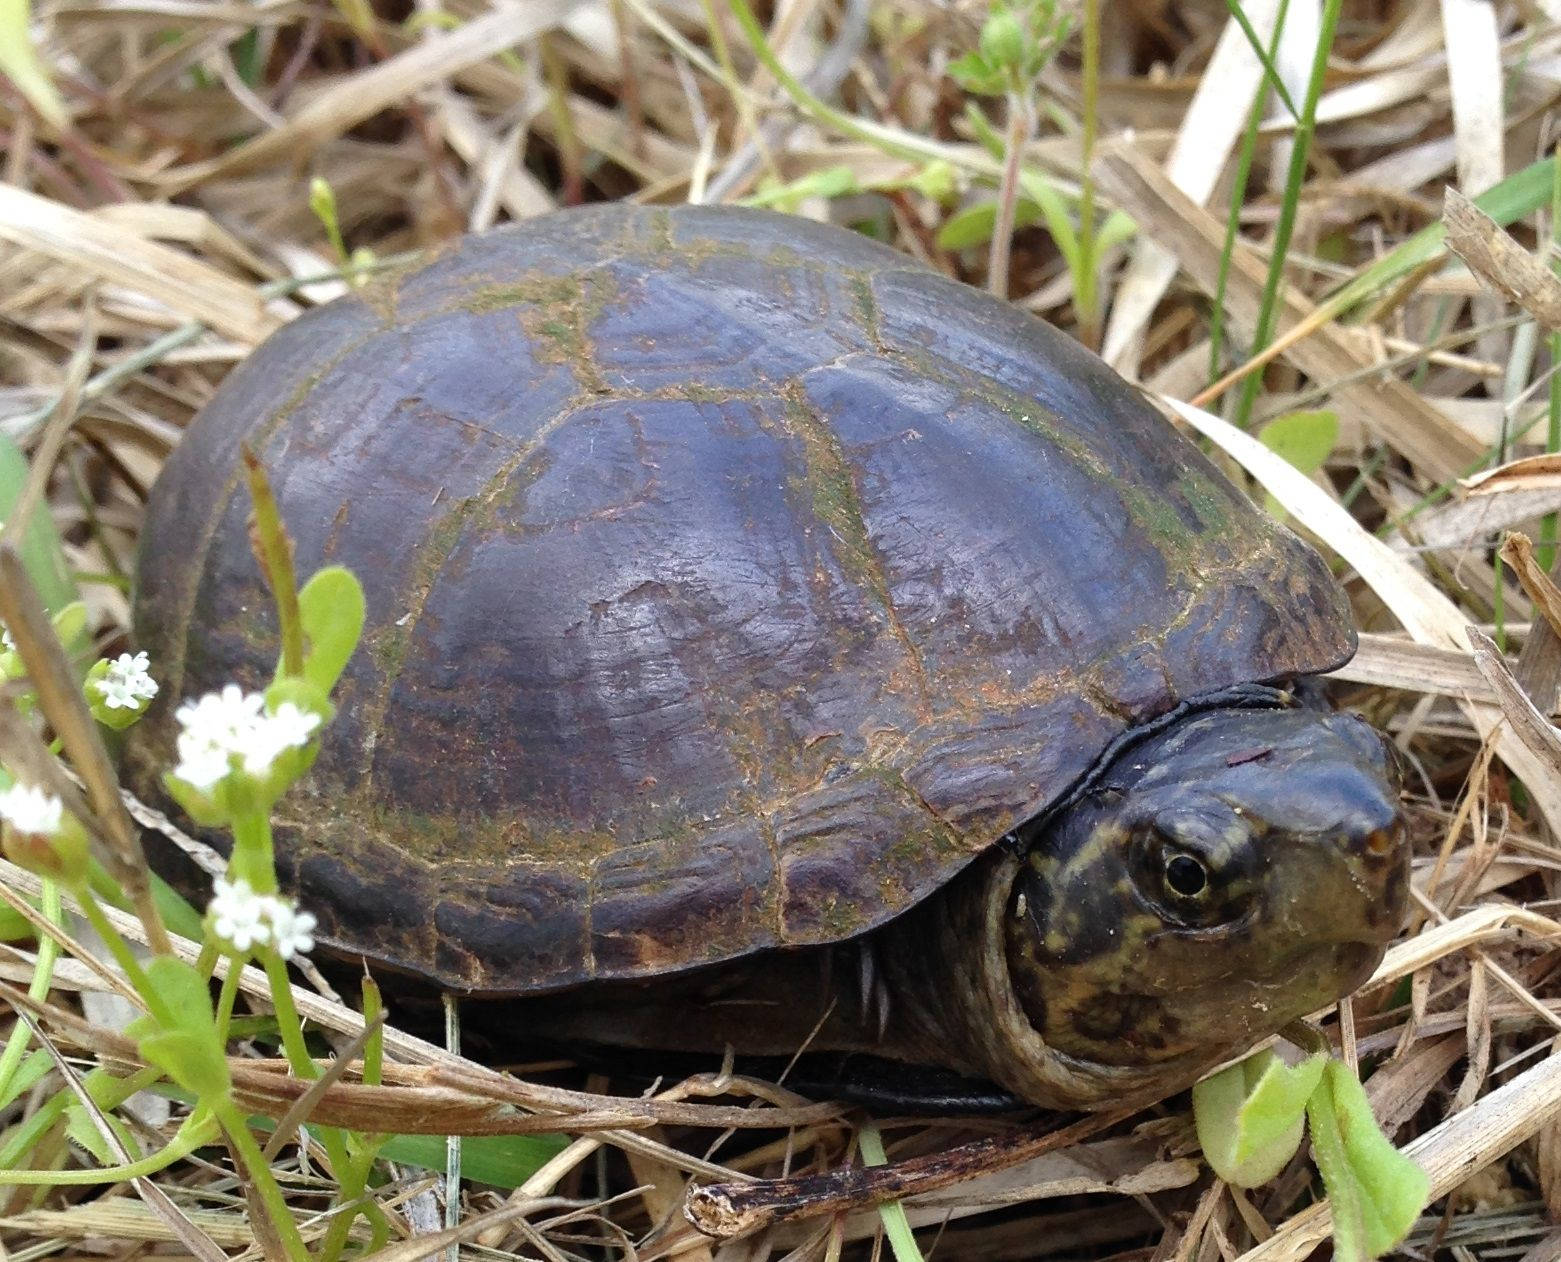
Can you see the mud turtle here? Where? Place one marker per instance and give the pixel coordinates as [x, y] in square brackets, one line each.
[763, 626]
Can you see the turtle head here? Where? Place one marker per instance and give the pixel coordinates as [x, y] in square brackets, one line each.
[1220, 879]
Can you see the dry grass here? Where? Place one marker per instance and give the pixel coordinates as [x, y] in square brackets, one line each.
[158, 237]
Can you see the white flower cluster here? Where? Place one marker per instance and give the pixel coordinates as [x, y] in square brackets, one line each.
[127, 684]
[31, 811]
[233, 724]
[246, 919]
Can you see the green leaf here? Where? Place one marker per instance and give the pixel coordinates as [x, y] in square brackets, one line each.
[189, 1050]
[40, 542]
[330, 606]
[176, 910]
[20, 64]
[503, 1161]
[1250, 1117]
[32, 1069]
[830, 183]
[1305, 439]
[322, 201]
[82, 1130]
[974, 225]
[1116, 229]
[975, 74]
[1059, 220]
[1376, 1192]
[987, 136]
[937, 181]
[14, 927]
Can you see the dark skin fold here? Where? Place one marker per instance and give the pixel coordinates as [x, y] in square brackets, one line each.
[1238, 870]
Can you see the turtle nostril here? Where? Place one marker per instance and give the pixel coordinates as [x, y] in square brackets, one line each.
[1384, 841]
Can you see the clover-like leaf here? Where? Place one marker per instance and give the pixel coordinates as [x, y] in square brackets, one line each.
[185, 1045]
[1305, 439]
[1376, 1192]
[974, 225]
[1250, 1117]
[330, 607]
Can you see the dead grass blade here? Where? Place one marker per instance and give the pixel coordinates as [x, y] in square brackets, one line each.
[1531, 726]
[102, 249]
[1196, 238]
[62, 704]
[728, 1210]
[200, 1245]
[361, 96]
[1392, 662]
[1203, 145]
[1500, 262]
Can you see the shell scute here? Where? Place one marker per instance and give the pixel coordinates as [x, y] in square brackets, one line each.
[985, 769]
[737, 325]
[526, 916]
[655, 907]
[846, 848]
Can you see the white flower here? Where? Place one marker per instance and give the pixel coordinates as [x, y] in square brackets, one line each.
[31, 810]
[233, 724]
[7, 644]
[292, 930]
[127, 684]
[245, 919]
[239, 915]
[288, 728]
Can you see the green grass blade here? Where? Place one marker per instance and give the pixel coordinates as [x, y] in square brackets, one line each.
[1295, 178]
[895, 1225]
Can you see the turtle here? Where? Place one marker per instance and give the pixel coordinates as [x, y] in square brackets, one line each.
[771, 642]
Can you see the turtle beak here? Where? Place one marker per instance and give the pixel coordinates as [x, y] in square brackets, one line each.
[1346, 886]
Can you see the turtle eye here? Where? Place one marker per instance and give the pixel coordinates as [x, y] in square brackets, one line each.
[1185, 876]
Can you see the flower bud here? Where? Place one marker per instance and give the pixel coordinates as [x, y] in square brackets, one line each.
[37, 833]
[1002, 39]
[118, 692]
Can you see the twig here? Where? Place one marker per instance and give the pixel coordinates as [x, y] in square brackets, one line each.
[725, 1210]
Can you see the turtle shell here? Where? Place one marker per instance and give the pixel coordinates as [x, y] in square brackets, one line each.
[732, 583]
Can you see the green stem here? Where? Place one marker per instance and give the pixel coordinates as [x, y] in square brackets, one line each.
[193, 1134]
[254, 856]
[287, 1019]
[1008, 195]
[1086, 282]
[259, 1171]
[226, 998]
[37, 989]
[125, 958]
[1545, 555]
[1266, 56]
[1499, 602]
[291, 1028]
